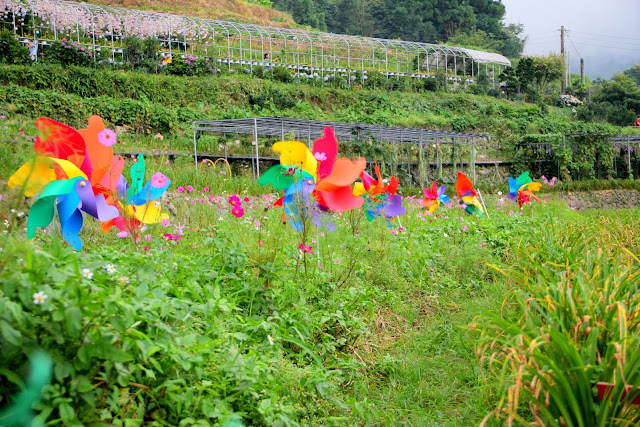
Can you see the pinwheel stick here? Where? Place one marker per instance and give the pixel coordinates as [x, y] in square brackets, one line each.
[483, 205]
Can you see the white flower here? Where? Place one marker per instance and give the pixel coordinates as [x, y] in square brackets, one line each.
[499, 193]
[6, 223]
[221, 219]
[39, 297]
[110, 268]
[270, 339]
[123, 280]
[87, 273]
[446, 235]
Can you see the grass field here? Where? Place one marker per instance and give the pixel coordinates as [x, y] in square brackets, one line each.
[227, 322]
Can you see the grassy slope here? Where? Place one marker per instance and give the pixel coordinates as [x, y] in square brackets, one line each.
[226, 10]
[166, 104]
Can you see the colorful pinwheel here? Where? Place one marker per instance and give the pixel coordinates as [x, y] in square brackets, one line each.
[379, 199]
[468, 196]
[79, 170]
[314, 181]
[435, 196]
[521, 189]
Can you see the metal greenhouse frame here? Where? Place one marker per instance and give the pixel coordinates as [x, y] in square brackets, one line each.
[232, 45]
[412, 143]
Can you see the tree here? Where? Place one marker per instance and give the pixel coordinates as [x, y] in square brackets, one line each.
[547, 69]
[634, 73]
[621, 90]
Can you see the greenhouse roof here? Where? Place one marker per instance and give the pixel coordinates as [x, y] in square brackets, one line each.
[486, 57]
[109, 19]
[312, 129]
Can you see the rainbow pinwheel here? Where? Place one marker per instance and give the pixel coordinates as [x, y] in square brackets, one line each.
[521, 189]
[468, 196]
[379, 199]
[314, 181]
[76, 171]
[435, 196]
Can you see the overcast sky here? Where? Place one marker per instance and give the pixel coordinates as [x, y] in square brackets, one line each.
[606, 33]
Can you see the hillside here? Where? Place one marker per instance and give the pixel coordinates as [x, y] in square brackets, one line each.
[225, 10]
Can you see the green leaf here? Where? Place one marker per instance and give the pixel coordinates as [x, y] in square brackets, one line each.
[73, 321]
[66, 412]
[11, 335]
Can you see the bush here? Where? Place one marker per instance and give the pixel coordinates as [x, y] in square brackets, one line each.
[67, 53]
[11, 50]
[189, 66]
[431, 84]
[282, 74]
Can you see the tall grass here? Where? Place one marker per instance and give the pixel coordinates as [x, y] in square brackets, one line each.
[570, 320]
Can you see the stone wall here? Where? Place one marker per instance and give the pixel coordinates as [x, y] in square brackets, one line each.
[603, 199]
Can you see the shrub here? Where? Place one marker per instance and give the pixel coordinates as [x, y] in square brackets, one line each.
[65, 52]
[282, 74]
[11, 50]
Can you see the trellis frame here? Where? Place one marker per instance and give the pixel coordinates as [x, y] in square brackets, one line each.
[309, 130]
[307, 53]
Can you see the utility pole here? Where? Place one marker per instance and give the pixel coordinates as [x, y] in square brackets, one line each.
[582, 80]
[564, 77]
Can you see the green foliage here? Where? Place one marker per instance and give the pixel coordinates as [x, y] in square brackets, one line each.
[11, 50]
[617, 102]
[577, 158]
[282, 74]
[569, 321]
[67, 53]
[189, 66]
[477, 24]
[634, 73]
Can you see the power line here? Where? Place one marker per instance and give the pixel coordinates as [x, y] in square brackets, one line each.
[609, 47]
[574, 46]
[607, 41]
[602, 35]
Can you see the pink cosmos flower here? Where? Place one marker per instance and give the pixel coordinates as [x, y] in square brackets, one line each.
[238, 212]
[181, 189]
[179, 228]
[510, 212]
[464, 228]
[159, 180]
[320, 156]
[205, 189]
[260, 242]
[483, 245]
[189, 188]
[246, 199]
[107, 137]
[166, 222]
[305, 249]
[234, 200]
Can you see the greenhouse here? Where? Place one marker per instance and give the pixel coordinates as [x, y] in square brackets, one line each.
[414, 154]
[235, 46]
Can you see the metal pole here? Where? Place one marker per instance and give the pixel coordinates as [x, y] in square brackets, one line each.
[195, 147]
[255, 133]
[485, 207]
[628, 156]
[473, 157]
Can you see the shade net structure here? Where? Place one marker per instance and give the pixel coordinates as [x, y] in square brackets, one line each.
[580, 156]
[415, 155]
[235, 46]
